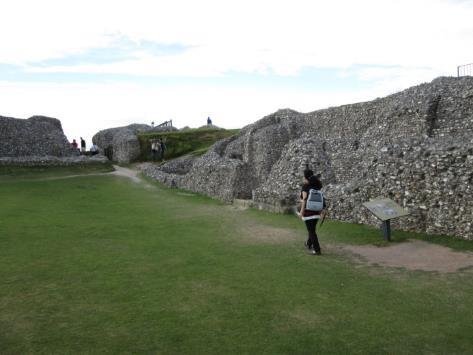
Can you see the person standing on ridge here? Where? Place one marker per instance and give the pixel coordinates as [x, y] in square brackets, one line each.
[154, 149]
[82, 145]
[163, 148]
[94, 150]
[75, 148]
[209, 121]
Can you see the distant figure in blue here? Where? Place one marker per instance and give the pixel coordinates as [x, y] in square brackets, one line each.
[209, 121]
[82, 145]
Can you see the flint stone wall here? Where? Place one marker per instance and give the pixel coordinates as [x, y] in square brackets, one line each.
[53, 161]
[35, 136]
[121, 143]
[415, 147]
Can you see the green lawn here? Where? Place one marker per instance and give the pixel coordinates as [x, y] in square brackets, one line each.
[8, 172]
[99, 264]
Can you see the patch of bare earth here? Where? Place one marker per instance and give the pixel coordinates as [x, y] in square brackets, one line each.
[255, 233]
[130, 174]
[119, 171]
[414, 255]
[306, 317]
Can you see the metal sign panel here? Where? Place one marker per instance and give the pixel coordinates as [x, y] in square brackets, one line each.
[385, 209]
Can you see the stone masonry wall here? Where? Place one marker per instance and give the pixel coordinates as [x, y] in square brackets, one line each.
[121, 144]
[35, 136]
[415, 147]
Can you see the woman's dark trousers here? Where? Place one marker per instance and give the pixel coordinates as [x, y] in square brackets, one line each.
[313, 241]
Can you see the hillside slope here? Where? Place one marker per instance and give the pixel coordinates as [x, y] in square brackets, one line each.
[178, 143]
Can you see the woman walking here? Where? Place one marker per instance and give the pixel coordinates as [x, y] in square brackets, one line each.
[309, 216]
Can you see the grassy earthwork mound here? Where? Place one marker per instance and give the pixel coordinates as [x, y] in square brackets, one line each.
[192, 141]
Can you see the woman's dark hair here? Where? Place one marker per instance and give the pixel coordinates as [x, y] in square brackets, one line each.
[315, 182]
[307, 172]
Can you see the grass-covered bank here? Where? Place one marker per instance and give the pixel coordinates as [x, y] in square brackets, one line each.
[192, 141]
[101, 264]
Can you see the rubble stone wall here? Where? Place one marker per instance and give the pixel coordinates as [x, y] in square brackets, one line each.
[35, 136]
[415, 147]
[48, 160]
[121, 144]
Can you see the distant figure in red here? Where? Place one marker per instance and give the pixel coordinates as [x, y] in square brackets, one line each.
[75, 146]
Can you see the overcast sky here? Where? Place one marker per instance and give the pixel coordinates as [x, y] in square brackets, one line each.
[100, 64]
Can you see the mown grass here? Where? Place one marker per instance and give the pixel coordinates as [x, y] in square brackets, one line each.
[100, 264]
[12, 172]
[193, 141]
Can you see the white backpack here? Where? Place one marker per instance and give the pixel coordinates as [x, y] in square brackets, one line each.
[315, 201]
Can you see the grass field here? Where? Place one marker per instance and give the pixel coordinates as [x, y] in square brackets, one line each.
[9, 173]
[99, 264]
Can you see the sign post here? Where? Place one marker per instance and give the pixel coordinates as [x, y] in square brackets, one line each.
[387, 230]
[385, 209]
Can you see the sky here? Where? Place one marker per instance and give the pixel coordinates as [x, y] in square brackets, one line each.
[101, 64]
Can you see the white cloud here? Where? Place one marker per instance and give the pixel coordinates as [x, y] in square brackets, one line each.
[394, 79]
[87, 108]
[244, 35]
[389, 44]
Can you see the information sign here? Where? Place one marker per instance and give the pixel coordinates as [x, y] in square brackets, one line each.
[385, 209]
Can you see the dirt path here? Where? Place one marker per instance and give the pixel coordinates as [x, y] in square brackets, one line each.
[414, 255]
[119, 171]
[131, 174]
[52, 178]
[125, 172]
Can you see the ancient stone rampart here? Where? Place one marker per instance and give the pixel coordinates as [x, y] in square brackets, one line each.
[38, 141]
[49, 160]
[415, 147]
[121, 144]
[35, 136]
